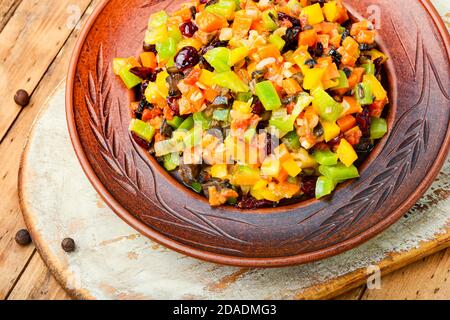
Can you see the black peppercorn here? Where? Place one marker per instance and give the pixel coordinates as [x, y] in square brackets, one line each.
[68, 245]
[22, 98]
[23, 237]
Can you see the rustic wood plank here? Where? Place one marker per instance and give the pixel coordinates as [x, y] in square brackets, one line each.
[425, 279]
[7, 9]
[354, 294]
[30, 41]
[44, 286]
[12, 257]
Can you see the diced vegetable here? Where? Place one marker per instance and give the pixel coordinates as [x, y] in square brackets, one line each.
[328, 108]
[340, 172]
[175, 122]
[201, 120]
[142, 129]
[171, 161]
[130, 80]
[218, 58]
[377, 89]
[291, 140]
[224, 8]
[277, 41]
[168, 146]
[187, 124]
[378, 128]
[326, 157]
[268, 95]
[230, 80]
[314, 13]
[219, 171]
[245, 175]
[324, 186]
[346, 153]
[363, 93]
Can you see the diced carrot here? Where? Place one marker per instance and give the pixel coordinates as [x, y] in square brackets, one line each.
[291, 86]
[282, 176]
[335, 40]
[346, 123]
[351, 46]
[308, 38]
[328, 27]
[148, 60]
[355, 77]
[209, 22]
[193, 76]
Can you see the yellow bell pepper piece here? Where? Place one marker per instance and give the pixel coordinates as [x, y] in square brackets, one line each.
[161, 83]
[190, 42]
[375, 54]
[242, 107]
[152, 93]
[258, 189]
[237, 55]
[377, 88]
[314, 13]
[346, 153]
[219, 171]
[331, 11]
[206, 77]
[313, 78]
[330, 130]
[271, 167]
[291, 167]
[300, 56]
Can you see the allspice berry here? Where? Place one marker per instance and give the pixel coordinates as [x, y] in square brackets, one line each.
[22, 98]
[68, 245]
[23, 237]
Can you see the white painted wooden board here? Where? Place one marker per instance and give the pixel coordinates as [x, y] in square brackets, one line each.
[113, 261]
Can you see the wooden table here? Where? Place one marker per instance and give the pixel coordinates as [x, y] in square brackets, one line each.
[37, 38]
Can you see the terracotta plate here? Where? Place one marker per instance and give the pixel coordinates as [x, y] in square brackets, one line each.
[399, 170]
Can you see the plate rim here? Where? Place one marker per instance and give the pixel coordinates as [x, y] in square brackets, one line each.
[268, 262]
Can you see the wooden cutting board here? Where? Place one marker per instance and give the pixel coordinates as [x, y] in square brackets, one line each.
[113, 261]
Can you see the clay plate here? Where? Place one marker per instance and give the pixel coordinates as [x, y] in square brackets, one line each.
[135, 186]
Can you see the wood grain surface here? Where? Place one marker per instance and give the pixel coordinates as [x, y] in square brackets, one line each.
[37, 61]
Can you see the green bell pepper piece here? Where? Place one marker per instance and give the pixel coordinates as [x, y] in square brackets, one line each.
[130, 80]
[175, 122]
[343, 81]
[230, 80]
[244, 96]
[218, 58]
[369, 67]
[292, 141]
[168, 146]
[268, 95]
[324, 187]
[326, 157]
[196, 186]
[221, 114]
[158, 19]
[142, 129]
[175, 33]
[187, 124]
[329, 109]
[284, 122]
[378, 128]
[363, 93]
[277, 41]
[166, 48]
[339, 172]
[269, 19]
[224, 8]
[171, 161]
[202, 120]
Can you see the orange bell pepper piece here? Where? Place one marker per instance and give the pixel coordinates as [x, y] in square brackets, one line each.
[346, 123]
[291, 86]
[308, 38]
[242, 24]
[184, 13]
[351, 105]
[268, 51]
[148, 60]
[209, 22]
